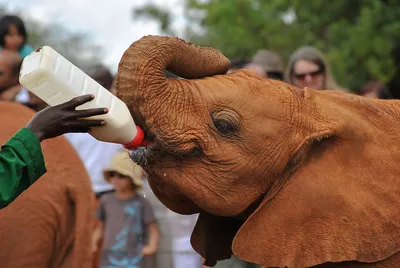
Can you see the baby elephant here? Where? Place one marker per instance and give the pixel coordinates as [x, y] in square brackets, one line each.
[281, 176]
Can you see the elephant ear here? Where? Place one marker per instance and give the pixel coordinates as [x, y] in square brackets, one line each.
[213, 235]
[342, 203]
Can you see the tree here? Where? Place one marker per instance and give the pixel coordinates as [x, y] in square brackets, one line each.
[76, 47]
[358, 37]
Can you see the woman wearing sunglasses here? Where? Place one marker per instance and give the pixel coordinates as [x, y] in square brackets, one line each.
[307, 67]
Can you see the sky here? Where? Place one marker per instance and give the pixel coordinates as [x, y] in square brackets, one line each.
[109, 22]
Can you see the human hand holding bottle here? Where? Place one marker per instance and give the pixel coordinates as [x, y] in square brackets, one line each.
[64, 118]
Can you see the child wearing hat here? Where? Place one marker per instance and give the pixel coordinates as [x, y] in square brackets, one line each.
[128, 224]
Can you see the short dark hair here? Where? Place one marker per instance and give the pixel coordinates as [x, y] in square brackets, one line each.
[5, 23]
[101, 74]
[275, 75]
[239, 62]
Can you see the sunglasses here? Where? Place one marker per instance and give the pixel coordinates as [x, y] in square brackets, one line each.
[114, 174]
[312, 74]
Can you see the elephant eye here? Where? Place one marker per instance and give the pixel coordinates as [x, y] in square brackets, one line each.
[225, 126]
[226, 121]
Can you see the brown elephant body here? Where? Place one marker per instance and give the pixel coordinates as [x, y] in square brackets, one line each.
[281, 176]
[392, 261]
[50, 223]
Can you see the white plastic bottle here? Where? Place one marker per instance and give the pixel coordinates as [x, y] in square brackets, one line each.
[55, 80]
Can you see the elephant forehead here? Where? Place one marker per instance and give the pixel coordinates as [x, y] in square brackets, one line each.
[253, 95]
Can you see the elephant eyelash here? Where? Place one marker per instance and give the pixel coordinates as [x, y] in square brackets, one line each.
[225, 122]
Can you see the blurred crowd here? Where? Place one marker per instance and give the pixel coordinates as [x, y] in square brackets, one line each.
[126, 208]
[307, 67]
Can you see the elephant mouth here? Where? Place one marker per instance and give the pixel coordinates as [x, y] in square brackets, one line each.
[144, 155]
[161, 150]
[139, 156]
[157, 159]
[152, 145]
[158, 153]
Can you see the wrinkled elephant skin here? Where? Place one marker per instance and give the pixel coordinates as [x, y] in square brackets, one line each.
[281, 176]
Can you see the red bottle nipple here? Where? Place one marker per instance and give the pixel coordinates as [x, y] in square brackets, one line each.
[137, 141]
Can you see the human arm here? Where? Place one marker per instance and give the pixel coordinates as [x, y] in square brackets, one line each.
[152, 229]
[98, 231]
[21, 164]
[97, 235]
[154, 237]
[21, 158]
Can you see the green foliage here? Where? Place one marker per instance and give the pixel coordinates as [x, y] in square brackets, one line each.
[357, 36]
[153, 12]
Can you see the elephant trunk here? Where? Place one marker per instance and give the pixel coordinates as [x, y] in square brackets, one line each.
[141, 81]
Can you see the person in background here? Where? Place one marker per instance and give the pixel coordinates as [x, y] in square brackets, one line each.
[14, 37]
[102, 75]
[375, 89]
[21, 158]
[10, 64]
[238, 63]
[268, 64]
[257, 68]
[307, 67]
[127, 220]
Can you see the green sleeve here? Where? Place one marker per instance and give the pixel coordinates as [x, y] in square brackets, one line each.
[21, 164]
